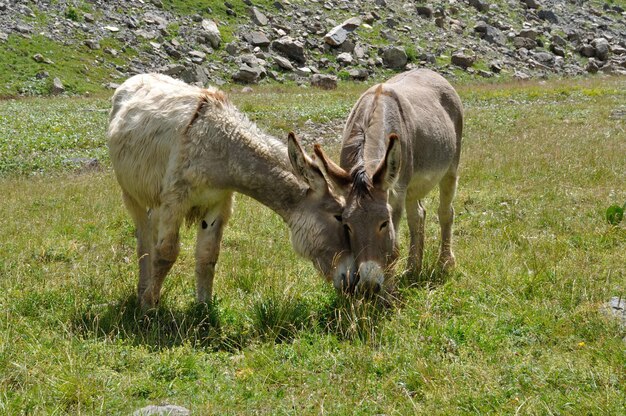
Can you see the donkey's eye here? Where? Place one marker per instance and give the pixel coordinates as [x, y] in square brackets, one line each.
[384, 225]
[339, 218]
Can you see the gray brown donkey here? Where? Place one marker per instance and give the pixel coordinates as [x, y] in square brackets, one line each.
[401, 139]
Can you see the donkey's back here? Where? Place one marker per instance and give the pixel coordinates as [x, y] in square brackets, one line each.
[149, 116]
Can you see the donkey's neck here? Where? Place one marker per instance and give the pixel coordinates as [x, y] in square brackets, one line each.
[257, 163]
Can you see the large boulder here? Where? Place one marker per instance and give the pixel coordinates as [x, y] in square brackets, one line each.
[395, 57]
[339, 34]
[211, 33]
[459, 58]
[323, 81]
[290, 48]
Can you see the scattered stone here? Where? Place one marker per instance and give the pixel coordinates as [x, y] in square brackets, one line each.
[459, 58]
[259, 39]
[325, 82]
[358, 74]
[247, 90]
[479, 5]
[344, 58]
[290, 48]
[531, 4]
[42, 59]
[283, 63]
[4, 37]
[247, 74]
[617, 307]
[425, 11]
[111, 85]
[57, 87]
[83, 164]
[164, 410]
[113, 29]
[601, 46]
[395, 57]
[520, 42]
[211, 33]
[548, 15]
[258, 17]
[197, 56]
[339, 34]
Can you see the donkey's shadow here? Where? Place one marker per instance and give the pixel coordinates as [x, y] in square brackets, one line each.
[199, 324]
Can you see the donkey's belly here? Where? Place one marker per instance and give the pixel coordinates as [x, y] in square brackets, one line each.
[423, 182]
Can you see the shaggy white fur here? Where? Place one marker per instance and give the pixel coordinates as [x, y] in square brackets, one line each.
[180, 151]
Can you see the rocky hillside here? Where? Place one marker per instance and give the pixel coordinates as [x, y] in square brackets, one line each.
[81, 46]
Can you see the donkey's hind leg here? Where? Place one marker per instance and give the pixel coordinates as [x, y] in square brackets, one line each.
[210, 230]
[143, 233]
[416, 217]
[447, 190]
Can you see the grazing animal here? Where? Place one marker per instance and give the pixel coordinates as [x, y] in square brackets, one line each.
[401, 139]
[179, 152]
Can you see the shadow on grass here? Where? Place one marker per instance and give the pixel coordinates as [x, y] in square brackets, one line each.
[431, 276]
[164, 327]
[273, 317]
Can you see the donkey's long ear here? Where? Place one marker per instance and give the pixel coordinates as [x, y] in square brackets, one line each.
[303, 167]
[339, 178]
[388, 171]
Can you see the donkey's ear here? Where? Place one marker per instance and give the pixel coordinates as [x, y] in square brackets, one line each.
[388, 171]
[333, 172]
[303, 167]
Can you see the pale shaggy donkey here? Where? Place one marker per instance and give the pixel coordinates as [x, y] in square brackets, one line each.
[179, 152]
[402, 138]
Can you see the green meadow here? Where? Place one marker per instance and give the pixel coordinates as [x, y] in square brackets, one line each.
[519, 327]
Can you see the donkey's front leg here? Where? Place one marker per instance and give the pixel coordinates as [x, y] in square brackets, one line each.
[416, 218]
[210, 232]
[447, 190]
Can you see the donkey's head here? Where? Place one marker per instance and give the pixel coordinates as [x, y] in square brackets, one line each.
[367, 216]
[316, 224]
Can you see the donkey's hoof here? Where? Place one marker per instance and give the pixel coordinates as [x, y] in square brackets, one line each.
[447, 263]
[148, 301]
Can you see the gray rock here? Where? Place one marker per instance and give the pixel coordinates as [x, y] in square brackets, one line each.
[111, 86]
[172, 51]
[211, 33]
[256, 38]
[479, 5]
[248, 74]
[425, 11]
[601, 47]
[617, 308]
[165, 410]
[23, 29]
[528, 33]
[258, 17]
[290, 48]
[587, 50]
[395, 57]
[42, 59]
[459, 58]
[344, 58]
[520, 42]
[548, 15]
[172, 69]
[4, 37]
[490, 33]
[283, 63]
[521, 75]
[194, 74]
[323, 81]
[197, 56]
[339, 34]
[531, 4]
[89, 18]
[57, 87]
[358, 74]
[557, 50]
[544, 58]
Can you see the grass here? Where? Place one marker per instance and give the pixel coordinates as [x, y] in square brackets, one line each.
[517, 328]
